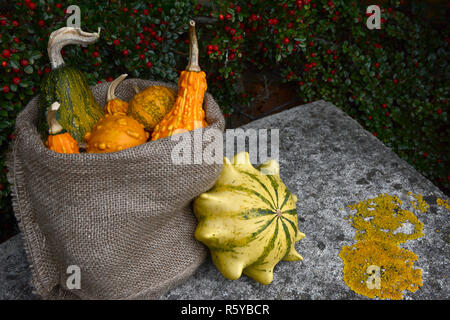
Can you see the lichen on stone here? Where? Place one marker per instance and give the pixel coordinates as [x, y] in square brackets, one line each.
[396, 269]
[376, 222]
[443, 203]
[419, 203]
[379, 218]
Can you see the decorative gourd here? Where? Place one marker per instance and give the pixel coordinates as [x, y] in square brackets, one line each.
[114, 104]
[58, 139]
[150, 105]
[115, 132]
[79, 111]
[187, 113]
[248, 220]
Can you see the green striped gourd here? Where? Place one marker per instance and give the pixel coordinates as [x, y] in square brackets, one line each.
[248, 220]
[67, 85]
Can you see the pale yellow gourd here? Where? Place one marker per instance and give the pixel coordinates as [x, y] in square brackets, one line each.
[248, 220]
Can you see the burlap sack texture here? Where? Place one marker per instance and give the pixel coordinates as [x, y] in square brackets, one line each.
[124, 218]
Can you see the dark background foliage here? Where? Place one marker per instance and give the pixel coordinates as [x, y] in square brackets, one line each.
[394, 81]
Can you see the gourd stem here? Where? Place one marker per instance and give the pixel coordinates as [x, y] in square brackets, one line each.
[193, 49]
[113, 85]
[53, 125]
[65, 36]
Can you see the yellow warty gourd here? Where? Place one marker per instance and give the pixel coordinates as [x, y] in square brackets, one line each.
[115, 132]
[248, 220]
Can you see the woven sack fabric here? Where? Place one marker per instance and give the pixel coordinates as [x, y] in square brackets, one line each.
[124, 218]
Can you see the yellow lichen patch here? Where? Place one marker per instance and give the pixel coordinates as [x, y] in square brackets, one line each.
[395, 265]
[379, 218]
[443, 203]
[419, 203]
[376, 222]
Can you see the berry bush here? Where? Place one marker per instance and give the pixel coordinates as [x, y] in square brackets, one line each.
[394, 81]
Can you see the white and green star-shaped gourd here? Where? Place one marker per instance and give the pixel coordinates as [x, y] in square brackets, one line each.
[248, 220]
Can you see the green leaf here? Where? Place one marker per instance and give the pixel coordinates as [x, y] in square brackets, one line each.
[28, 69]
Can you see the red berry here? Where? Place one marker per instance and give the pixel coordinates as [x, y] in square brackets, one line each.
[32, 5]
[41, 23]
[4, 63]
[395, 81]
[5, 89]
[387, 114]
[439, 111]
[286, 40]
[109, 79]
[149, 64]
[384, 106]
[58, 5]
[95, 54]
[24, 62]
[228, 16]
[125, 52]
[374, 133]
[377, 65]
[116, 42]
[15, 23]
[16, 80]
[6, 53]
[142, 56]
[221, 17]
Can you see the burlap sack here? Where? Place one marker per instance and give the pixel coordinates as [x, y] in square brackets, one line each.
[123, 218]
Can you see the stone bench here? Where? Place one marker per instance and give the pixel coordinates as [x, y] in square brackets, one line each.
[329, 161]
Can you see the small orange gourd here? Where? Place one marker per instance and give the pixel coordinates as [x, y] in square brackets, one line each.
[59, 140]
[115, 132]
[114, 104]
[187, 113]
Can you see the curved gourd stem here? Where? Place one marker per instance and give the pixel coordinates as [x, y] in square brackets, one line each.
[53, 125]
[193, 49]
[65, 36]
[112, 87]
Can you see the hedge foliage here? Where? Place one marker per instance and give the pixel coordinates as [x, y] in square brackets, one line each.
[394, 81]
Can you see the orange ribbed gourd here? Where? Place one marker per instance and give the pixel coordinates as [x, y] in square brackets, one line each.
[187, 113]
[59, 140]
[62, 143]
